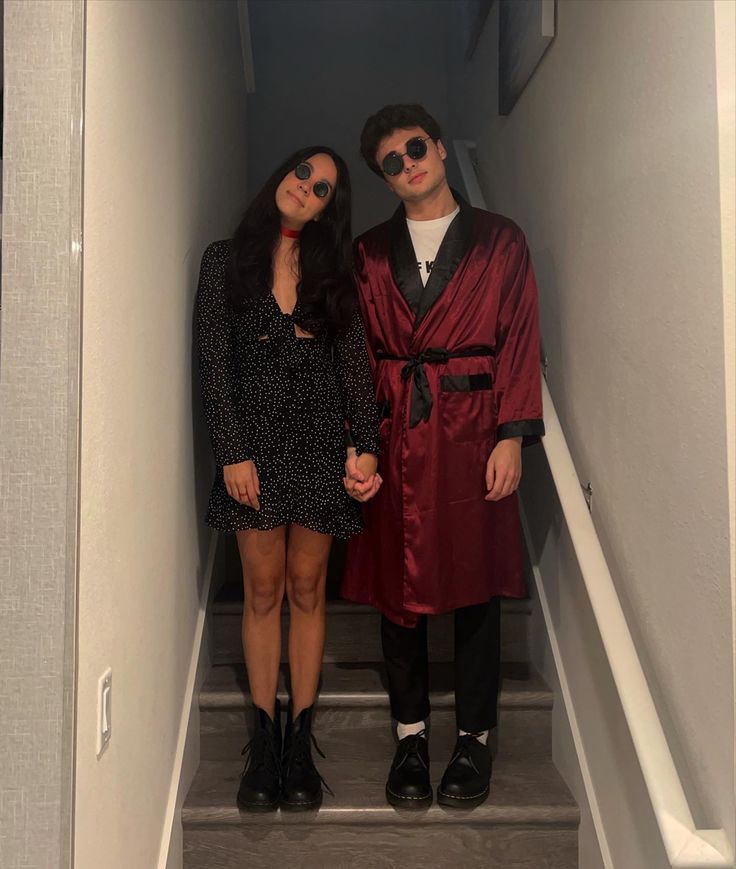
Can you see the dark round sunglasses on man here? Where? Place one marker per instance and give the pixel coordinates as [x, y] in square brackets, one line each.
[416, 149]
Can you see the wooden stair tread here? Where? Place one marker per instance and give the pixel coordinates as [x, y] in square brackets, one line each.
[521, 793]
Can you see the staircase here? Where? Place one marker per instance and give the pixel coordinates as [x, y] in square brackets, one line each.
[528, 822]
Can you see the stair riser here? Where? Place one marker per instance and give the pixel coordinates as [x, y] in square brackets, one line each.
[365, 734]
[356, 637]
[386, 847]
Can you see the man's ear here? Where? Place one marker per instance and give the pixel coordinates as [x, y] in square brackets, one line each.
[441, 149]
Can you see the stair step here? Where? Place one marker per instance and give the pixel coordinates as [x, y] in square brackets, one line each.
[353, 633]
[528, 822]
[363, 684]
[365, 734]
[522, 793]
[390, 847]
[352, 719]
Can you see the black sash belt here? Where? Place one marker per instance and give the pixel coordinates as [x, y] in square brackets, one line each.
[421, 398]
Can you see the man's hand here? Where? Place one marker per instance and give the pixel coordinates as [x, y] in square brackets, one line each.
[361, 480]
[503, 469]
[242, 484]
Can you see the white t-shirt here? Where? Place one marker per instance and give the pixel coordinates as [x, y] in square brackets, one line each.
[426, 236]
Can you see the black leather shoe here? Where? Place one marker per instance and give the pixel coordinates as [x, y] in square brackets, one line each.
[301, 785]
[408, 784]
[260, 782]
[466, 781]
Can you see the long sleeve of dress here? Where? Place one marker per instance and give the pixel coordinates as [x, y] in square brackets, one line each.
[359, 396]
[213, 334]
[518, 379]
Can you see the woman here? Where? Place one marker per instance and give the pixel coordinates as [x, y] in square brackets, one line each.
[283, 368]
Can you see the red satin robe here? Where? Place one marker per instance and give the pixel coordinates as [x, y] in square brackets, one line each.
[431, 542]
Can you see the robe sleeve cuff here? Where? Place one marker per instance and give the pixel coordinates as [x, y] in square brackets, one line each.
[529, 429]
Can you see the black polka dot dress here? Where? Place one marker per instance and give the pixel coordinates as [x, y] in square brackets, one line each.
[281, 401]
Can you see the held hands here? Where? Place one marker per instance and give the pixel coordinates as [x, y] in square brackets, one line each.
[503, 473]
[361, 480]
[241, 482]
[503, 469]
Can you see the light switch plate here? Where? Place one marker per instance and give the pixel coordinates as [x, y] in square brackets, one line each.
[104, 711]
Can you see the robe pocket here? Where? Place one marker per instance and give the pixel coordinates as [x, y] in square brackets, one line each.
[465, 382]
[467, 407]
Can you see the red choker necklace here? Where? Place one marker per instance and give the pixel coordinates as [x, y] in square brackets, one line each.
[290, 233]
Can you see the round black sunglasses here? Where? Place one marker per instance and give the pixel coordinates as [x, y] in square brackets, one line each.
[304, 171]
[416, 149]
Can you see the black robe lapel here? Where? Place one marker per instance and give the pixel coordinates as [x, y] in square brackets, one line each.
[404, 261]
[457, 241]
[455, 244]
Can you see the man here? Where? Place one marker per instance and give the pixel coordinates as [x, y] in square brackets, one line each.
[449, 302]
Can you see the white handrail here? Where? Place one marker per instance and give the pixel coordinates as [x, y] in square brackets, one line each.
[687, 847]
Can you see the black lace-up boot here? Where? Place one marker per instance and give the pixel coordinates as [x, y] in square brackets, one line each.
[465, 783]
[301, 784]
[408, 784]
[260, 782]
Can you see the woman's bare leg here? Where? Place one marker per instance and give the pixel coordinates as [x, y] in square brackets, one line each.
[306, 572]
[263, 558]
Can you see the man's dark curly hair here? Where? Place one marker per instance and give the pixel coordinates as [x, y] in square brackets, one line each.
[391, 118]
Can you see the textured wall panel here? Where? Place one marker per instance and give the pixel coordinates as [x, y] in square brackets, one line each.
[39, 359]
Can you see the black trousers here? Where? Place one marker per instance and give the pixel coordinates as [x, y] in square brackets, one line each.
[476, 667]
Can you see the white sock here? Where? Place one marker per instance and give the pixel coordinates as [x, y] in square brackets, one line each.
[481, 735]
[403, 730]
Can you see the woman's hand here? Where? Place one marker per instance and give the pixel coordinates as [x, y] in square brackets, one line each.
[361, 480]
[242, 484]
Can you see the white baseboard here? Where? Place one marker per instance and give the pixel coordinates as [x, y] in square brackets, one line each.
[186, 759]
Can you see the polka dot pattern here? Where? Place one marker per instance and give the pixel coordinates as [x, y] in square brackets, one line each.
[281, 401]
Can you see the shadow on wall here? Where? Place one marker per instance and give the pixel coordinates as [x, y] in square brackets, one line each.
[353, 58]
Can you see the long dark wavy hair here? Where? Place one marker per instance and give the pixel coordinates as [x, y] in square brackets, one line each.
[327, 294]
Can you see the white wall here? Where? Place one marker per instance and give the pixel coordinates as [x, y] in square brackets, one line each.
[591, 746]
[323, 66]
[165, 150]
[610, 163]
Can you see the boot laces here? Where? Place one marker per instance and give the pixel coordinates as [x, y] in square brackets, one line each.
[260, 752]
[463, 748]
[299, 754]
[411, 748]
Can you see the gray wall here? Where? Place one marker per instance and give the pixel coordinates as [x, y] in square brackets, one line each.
[610, 164]
[39, 358]
[165, 144]
[323, 66]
